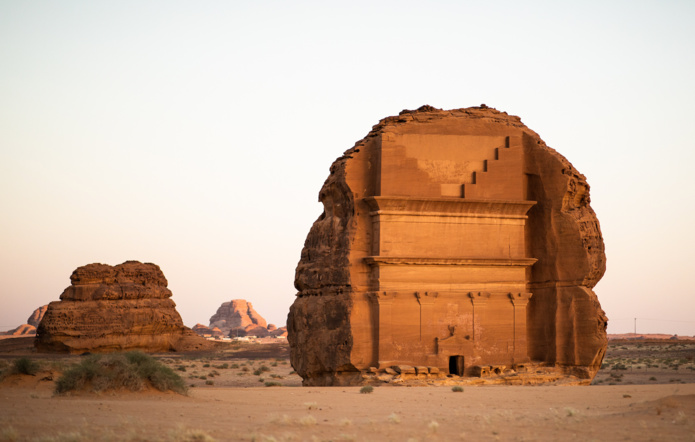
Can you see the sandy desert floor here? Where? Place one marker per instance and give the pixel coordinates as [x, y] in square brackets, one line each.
[230, 402]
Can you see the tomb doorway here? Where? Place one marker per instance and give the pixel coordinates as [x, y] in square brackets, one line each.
[456, 365]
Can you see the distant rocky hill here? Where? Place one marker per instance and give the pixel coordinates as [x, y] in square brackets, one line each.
[30, 327]
[22, 330]
[238, 318]
[37, 316]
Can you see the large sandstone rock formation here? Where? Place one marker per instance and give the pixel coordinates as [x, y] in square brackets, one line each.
[37, 315]
[451, 242]
[22, 330]
[236, 314]
[115, 308]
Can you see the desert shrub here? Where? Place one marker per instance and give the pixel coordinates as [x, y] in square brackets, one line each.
[206, 365]
[273, 384]
[131, 371]
[181, 368]
[223, 366]
[245, 368]
[366, 389]
[263, 368]
[457, 389]
[209, 382]
[25, 366]
[234, 366]
[257, 372]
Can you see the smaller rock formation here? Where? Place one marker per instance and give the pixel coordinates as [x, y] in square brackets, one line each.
[116, 308]
[202, 330]
[22, 330]
[36, 317]
[236, 314]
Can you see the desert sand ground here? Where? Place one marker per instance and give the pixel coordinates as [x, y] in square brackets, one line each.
[229, 402]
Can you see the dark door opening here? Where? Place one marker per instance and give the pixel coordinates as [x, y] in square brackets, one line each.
[456, 365]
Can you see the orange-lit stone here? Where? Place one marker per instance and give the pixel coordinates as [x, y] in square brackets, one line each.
[455, 240]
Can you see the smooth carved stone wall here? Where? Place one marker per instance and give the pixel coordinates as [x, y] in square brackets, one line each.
[115, 308]
[449, 239]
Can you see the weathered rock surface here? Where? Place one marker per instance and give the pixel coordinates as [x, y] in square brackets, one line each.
[455, 240]
[236, 314]
[116, 308]
[37, 315]
[22, 330]
[202, 330]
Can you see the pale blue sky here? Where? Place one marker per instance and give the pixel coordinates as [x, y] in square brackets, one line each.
[196, 135]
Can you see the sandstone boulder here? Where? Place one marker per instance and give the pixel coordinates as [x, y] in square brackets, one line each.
[202, 330]
[236, 314]
[453, 240]
[115, 308]
[22, 330]
[36, 317]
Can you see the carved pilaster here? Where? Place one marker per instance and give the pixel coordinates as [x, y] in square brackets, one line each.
[520, 301]
[426, 300]
[479, 300]
[385, 314]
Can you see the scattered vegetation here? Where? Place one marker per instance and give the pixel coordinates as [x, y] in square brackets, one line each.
[273, 384]
[307, 420]
[131, 371]
[25, 366]
[457, 389]
[366, 389]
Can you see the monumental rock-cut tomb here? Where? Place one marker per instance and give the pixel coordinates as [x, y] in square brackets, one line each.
[451, 243]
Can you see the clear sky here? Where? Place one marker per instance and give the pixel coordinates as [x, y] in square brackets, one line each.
[197, 135]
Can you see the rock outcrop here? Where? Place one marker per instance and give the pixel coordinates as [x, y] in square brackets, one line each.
[116, 308]
[451, 242]
[22, 330]
[37, 315]
[236, 314]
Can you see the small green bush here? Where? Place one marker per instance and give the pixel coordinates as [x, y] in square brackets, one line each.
[209, 382]
[457, 389]
[366, 389]
[26, 366]
[131, 371]
[273, 384]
